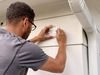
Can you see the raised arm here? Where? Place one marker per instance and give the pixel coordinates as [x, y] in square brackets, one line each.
[57, 65]
[43, 35]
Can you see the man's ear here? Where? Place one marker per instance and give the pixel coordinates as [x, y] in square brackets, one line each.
[25, 23]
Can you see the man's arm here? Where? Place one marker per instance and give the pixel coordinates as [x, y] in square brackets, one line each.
[43, 35]
[57, 65]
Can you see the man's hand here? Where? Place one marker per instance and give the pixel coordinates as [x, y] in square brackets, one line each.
[61, 37]
[43, 35]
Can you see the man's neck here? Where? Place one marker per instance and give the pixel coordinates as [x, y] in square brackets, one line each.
[14, 29]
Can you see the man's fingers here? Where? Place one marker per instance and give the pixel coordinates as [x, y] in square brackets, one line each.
[47, 28]
[60, 31]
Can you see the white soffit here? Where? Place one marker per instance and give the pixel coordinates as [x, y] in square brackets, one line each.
[53, 9]
[43, 8]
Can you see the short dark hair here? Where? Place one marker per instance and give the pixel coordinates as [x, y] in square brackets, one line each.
[18, 10]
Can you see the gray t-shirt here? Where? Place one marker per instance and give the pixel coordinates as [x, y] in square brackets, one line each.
[17, 55]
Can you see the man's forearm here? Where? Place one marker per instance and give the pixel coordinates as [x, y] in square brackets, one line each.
[35, 39]
[61, 56]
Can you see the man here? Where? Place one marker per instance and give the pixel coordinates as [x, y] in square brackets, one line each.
[18, 54]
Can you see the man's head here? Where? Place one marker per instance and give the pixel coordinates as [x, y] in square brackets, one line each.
[21, 16]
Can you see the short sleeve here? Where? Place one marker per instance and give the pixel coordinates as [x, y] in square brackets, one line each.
[31, 56]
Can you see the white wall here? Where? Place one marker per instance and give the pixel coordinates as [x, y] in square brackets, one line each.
[77, 52]
[69, 23]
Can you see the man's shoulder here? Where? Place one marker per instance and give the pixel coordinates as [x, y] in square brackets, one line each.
[30, 47]
[10, 39]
